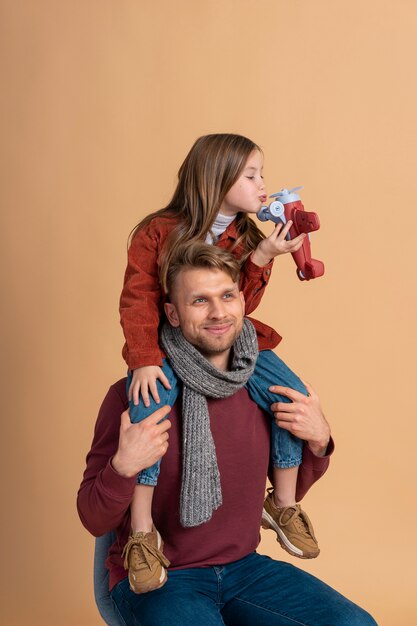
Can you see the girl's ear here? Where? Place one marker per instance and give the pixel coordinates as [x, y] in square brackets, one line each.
[172, 315]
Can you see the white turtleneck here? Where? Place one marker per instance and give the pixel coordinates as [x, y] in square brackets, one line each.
[220, 224]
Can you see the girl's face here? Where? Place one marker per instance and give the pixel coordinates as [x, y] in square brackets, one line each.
[248, 193]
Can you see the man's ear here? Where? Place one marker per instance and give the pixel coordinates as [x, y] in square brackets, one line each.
[172, 315]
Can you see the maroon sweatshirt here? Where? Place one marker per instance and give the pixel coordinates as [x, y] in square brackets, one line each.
[241, 432]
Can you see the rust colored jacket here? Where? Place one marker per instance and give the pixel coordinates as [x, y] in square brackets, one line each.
[142, 300]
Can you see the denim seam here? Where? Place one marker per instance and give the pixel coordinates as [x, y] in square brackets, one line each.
[219, 587]
[287, 464]
[116, 610]
[144, 480]
[273, 611]
[121, 592]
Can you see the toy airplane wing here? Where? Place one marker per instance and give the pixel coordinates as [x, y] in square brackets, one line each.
[305, 221]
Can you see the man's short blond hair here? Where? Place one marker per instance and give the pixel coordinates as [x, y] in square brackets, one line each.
[200, 255]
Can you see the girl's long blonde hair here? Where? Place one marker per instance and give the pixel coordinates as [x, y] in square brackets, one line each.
[209, 170]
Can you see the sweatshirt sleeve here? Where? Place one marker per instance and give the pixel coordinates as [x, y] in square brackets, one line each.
[141, 302]
[311, 469]
[253, 281]
[104, 496]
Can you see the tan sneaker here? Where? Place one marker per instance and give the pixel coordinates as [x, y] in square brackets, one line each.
[145, 561]
[294, 530]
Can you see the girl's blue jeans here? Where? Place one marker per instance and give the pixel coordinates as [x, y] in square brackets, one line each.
[286, 450]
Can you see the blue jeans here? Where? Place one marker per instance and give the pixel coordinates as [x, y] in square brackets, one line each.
[254, 591]
[286, 450]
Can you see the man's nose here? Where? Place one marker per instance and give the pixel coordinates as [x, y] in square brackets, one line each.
[217, 309]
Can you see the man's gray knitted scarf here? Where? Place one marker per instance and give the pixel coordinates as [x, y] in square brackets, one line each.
[201, 492]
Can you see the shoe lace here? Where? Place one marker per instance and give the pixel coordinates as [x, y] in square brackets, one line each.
[145, 549]
[298, 517]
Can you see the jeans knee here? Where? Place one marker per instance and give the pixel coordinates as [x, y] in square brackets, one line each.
[358, 617]
[366, 619]
[298, 385]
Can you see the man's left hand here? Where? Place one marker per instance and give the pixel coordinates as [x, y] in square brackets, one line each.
[303, 417]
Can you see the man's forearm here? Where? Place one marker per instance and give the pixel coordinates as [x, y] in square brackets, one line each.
[319, 444]
[319, 448]
[103, 499]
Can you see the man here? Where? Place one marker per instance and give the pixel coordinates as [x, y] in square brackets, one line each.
[216, 577]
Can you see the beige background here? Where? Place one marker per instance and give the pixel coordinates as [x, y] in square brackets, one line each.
[100, 101]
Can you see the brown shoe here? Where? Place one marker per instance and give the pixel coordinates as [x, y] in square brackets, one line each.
[145, 561]
[294, 530]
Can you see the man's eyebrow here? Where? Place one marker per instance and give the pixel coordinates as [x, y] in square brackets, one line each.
[202, 294]
[197, 294]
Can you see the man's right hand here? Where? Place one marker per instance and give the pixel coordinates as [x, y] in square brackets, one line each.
[141, 444]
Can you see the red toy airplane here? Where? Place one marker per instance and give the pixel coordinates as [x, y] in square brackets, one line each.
[288, 206]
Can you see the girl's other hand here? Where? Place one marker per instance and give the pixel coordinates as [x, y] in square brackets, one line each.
[276, 244]
[144, 381]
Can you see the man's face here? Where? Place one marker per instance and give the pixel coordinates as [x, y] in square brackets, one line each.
[208, 307]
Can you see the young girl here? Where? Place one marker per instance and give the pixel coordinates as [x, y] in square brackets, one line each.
[219, 185]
